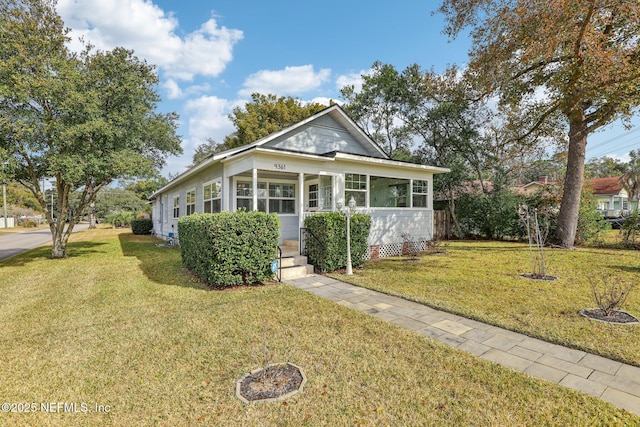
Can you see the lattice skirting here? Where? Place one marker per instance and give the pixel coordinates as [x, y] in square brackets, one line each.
[396, 249]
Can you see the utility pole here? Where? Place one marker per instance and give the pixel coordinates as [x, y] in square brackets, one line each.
[4, 204]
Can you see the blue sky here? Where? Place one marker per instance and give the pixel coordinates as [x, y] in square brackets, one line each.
[211, 55]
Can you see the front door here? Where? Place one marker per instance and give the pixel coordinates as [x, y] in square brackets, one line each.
[312, 194]
[319, 194]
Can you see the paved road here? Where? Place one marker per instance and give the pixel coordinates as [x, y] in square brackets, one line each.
[16, 243]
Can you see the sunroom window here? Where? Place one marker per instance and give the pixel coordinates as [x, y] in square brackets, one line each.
[282, 198]
[388, 192]
[244, 194]
[420, 192]
[273, 197]
[355, 186]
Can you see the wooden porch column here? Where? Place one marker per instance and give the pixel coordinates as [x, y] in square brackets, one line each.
[300, 200]
[254, 183]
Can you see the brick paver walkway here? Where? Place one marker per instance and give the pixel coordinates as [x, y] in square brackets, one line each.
[606, 379]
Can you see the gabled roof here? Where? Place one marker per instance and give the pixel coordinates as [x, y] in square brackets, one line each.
[605, 186]
[335, 112]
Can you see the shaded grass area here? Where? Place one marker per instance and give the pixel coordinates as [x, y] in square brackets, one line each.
[122, 325]
[480, 280]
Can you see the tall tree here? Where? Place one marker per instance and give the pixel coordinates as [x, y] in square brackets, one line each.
[577, 61]
[264, 115]
[83, 119]
[376, 107]
[205, 150]
[604, 167]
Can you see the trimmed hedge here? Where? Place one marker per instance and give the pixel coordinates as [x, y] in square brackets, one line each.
[229, 248]
[330, 252]
[141, 225]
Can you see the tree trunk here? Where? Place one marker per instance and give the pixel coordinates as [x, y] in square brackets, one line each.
[574, 178]
[452, 210]
[92, 216]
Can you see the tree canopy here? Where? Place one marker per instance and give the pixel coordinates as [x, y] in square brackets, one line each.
[264, 115]
[83, 119]
[574, 63]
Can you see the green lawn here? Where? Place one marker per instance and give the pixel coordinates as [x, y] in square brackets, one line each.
[120, 324]
[480, 280]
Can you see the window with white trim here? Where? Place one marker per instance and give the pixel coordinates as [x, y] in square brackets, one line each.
[355, 186]
[191, 201]
[388, 192]
[282, 198]
[176, 206]
[244, 196]
[212, 196]
[313, 196]
[273, 197]
[420, 193]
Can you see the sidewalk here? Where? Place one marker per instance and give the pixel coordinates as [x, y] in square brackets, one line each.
[611, 381]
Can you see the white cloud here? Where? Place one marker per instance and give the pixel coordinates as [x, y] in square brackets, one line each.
[172, 88]
[354, 79]
[290, 81]
[151, 33]
[174, 91]
[208, 118]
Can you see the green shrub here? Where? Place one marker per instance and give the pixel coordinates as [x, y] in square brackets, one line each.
[491, 215]
[27, 223]
[141, 225]
[630, 231]
[121, 219]
[330, 252]
[229, 248]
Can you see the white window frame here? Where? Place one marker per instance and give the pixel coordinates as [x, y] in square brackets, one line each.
[425, 192]
[218, 191]
[190, 201]
[264, 193]
[176, 206]
[348, 192]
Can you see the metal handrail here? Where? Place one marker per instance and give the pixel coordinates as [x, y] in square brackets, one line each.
[279, 272]
[302, 242]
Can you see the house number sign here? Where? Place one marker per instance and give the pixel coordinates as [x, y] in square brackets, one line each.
[280, 166]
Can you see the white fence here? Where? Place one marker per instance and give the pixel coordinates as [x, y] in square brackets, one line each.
[10, 222]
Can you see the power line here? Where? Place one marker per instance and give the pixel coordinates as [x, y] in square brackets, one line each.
[615, 138]
[624, 147]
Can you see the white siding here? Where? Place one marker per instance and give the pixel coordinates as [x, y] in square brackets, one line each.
[321, 136]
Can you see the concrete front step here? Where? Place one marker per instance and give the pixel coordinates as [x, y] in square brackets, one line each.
[289, 251]
[293, 261]
[292, 243]
[296, 272]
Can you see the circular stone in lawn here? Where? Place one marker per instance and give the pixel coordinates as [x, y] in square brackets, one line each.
[271, 383]
[537, 276]
[616, 316]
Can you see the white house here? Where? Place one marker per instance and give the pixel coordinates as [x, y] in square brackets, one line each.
[306, 168]
[613, 199]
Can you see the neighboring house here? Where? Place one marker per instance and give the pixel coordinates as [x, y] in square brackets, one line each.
[303, 169]
[541, 184]
[613, 200]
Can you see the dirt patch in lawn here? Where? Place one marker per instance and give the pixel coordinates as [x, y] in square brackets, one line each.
[273, 382]
[615, 316]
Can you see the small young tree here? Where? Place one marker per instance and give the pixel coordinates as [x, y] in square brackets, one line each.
[537, 233]
[610, 292]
